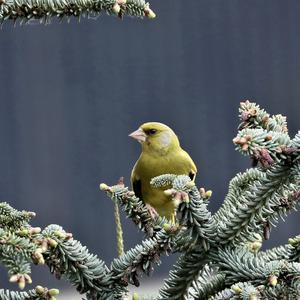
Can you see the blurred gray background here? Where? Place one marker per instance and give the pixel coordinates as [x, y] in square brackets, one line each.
[71, 93]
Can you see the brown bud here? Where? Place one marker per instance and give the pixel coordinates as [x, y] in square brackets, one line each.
[253, 112]
[31, 214]
[21, 282]
[69, 236]
[116, 8]
[39, 290]
[44, 245]
[248, 137]
[236, 289]
[208, 194]
[23, 232]
[273, 280]
[278, 149]
[185, 197]
[265, 120]
[177, 196]
[104, 187]
[135, 296]
[38, 256]
[267, 230]
[268, 137]
[260, 288]
[53, 292]
[190, 184]
[169, 192]
[245, 147]
[14, 278]
[255, 246]
[245, 116]
[266, 158]
[27, 278]
[60, 234]
[149, 12]
[242, 141]
[167, 227]
[202, 192]
[53, 243]
[35, 230]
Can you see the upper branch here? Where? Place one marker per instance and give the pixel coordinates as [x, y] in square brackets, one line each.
[134, 208]
[44, 10]
[252, 116]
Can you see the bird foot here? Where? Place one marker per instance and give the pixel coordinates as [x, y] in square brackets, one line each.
[152, 211]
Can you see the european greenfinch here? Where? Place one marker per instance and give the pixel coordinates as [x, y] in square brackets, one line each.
[161, 154]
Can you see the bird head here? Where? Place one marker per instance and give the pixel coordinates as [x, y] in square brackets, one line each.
[156, 137]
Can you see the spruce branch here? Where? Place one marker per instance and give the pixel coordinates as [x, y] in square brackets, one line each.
[45, 10]
[200, 228]
[241, 265]
[134, 208]
[264, 146]
[238, 291]
[67, 257]
[252, 116]
[250, 204]
[141, 259]
[286, 252]
[237, 187]
[39, 293]
[13, 219]
[221, 256]
[184, 272]
[208, 281]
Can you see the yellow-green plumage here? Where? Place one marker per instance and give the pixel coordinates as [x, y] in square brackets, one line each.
[161, 154]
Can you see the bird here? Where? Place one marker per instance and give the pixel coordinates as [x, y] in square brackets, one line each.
[161, 154]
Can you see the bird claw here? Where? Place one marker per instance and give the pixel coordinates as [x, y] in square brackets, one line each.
[153, 213]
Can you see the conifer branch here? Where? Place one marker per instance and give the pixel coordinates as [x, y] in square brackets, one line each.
[39, 293]
[134, 208]
[141, 259]
[45, 10]
[208, 281]
[194, 217]
[252, 116]
[221, 256]
[67, 257]
[184, 272]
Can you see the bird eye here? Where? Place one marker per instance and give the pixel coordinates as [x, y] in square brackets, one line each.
[152, 131]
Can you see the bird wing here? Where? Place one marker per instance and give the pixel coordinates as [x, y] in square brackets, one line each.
[192, 175]
[190, 165]
[136, 184]
[137, 188]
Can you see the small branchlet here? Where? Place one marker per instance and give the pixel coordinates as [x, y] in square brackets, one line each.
[133, 207]
[252, 116]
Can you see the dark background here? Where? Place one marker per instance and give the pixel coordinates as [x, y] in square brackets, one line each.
[71, 93]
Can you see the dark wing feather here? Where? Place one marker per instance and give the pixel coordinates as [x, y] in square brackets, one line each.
[192, 175]
[137, 188]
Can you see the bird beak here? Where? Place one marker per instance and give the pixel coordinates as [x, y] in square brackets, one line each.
[138, 135]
